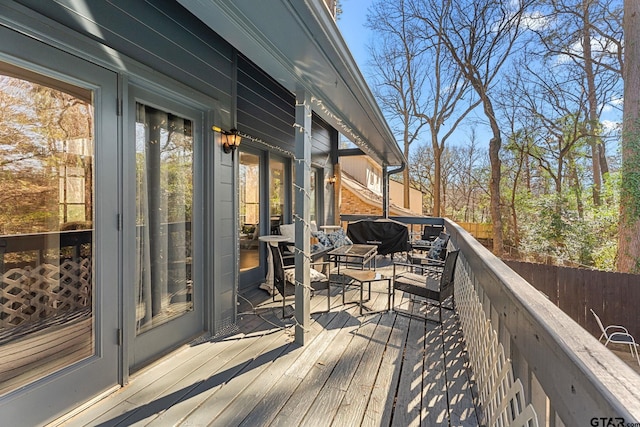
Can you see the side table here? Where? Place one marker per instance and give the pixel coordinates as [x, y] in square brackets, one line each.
[270, 240]
[366, 277]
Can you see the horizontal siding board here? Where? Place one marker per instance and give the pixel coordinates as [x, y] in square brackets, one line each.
[265, 109]
[202, 62]
[254, 92]
[252, 76]
[251, 104]
[262, 129]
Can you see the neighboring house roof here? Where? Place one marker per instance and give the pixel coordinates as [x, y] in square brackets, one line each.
[368, 196]
[299, 44]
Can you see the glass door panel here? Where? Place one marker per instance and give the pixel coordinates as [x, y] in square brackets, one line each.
[46, 225]
[277, 186]
[59, 260]
[313, 194]
[164, 182]
[249, 206]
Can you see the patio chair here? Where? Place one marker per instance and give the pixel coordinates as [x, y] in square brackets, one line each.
[284, 279]
[436, 252]
[617, 334]
[436, 285]
[431, 231]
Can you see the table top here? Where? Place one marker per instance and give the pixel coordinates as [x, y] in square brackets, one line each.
[362, 275]
[329, 227]
[356, 250]
[273, 238]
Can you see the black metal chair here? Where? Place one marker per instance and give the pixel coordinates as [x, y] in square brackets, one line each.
[435, 285]
[431, 231]
[435, 252]
[283, 279]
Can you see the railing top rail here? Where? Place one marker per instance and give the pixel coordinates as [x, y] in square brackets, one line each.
[39, 241]
[405, 219]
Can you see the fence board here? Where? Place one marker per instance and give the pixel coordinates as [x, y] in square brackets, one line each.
[631, 308]
[613, 296]
[594, 298]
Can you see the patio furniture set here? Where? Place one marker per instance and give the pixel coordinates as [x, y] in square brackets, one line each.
[427, 276]
[346, 264]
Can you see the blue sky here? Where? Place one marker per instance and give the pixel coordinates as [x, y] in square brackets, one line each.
[357, 35]
[352, 26]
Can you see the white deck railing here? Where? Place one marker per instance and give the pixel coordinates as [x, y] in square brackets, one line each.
[567, 376]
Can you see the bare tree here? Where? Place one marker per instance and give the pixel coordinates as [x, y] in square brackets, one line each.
[479, 37]
[463, 179]
[423, 85]
[586, 35]
[396, 61]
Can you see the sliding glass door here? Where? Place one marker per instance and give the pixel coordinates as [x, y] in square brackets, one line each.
[264, 195]
[58, 231]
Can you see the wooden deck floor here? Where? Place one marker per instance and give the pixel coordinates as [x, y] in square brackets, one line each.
[376, 369]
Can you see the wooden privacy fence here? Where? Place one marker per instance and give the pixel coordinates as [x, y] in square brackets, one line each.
[478, 230]
[613, 296]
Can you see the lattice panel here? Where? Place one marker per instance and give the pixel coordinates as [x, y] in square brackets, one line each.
[31, 294]
[501, 398]
[15, 297]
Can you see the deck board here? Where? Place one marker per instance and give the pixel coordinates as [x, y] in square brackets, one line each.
[249, 365]
[409, 393]
[383, 396]
[354, 404]
[376, 369]
[279, 394]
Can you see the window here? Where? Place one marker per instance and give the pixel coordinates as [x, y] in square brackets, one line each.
[277, 180]
[249, 205]
[46, 225]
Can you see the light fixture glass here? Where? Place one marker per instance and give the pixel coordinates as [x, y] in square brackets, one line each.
[231, 140]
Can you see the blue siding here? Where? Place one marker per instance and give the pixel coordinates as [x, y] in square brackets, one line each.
[162, 35]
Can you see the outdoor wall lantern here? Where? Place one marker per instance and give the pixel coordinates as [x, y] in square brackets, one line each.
[230, 139]
[332, 179]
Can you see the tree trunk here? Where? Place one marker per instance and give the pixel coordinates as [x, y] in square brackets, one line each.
[629, 226]
[405, 172]
[494, 182]
[593, 104]
[437, 179]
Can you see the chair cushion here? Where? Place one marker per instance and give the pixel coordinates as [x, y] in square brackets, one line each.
[339, 238]
[317, 247]
[436, 248]
[314, 275]
[417, 284]
[322, 237]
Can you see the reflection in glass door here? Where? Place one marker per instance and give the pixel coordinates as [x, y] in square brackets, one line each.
[314, 204]
[46, 226]
[249, 206]
[277, 185]
[164, 179]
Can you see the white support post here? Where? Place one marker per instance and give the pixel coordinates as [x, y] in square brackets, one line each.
[302, 218]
